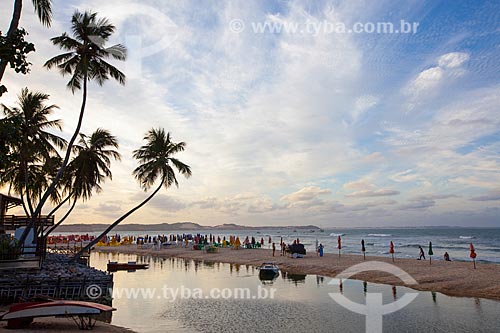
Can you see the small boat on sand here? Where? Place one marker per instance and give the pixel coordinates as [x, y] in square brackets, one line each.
[114, 266]
[268, 271]
[20, 315]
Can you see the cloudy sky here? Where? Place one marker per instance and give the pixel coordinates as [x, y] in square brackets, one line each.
[289, 121]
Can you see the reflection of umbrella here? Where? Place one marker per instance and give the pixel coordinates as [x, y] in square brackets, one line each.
[339, 246]
[473, 254]
[430, 253]
[391, 250]
[363, 248]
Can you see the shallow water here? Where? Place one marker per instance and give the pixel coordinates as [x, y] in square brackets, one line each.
[300, 303]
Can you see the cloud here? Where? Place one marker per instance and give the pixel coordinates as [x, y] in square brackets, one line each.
[361, 184]
[306, 194]
[429, 81]
[453, 59]
[417, 205]
[404, 176]
[372, 193]
[167, 203]
[492, 196]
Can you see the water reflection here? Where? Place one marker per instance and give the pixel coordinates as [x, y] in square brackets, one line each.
[304, 302]
[296, 278]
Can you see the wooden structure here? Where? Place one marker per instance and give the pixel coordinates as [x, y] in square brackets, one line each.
[9, 223]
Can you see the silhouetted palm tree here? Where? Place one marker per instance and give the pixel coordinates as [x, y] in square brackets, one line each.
[33, 149]
[84, 60]
[89, 168]
[156, 162]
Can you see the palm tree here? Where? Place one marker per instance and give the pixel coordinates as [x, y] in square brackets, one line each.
[43, 8]
[89, 168]
[31, 147]
[156, 162]
[84, 60]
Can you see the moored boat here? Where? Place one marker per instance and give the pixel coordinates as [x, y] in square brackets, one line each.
[268, 271]
[22, 314]
[114, 266]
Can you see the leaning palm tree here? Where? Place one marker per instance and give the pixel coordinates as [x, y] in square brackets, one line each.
[33, 148]
[156, 163]
[85, 60]
[88, 169]
[43, 9]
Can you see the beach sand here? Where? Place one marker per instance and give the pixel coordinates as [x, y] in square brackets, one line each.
[450, 278]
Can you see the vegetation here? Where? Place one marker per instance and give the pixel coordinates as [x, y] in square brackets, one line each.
[156, 162]
[13, 48]
[36, 163]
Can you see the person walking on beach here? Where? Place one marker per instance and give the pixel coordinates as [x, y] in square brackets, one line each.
[422, 255]
[274, 248]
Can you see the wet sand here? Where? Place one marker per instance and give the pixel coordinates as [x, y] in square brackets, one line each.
[451, 278]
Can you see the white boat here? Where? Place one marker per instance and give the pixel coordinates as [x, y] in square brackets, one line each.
[268, 271]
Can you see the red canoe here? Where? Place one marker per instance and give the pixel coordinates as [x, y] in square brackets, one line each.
[22, 314]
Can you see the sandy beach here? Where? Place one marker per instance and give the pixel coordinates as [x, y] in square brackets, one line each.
[450, 278]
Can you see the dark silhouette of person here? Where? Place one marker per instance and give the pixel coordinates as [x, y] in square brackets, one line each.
[422, 255]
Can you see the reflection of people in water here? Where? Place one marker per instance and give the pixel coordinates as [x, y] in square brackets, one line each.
[394, 292]
[446, 256]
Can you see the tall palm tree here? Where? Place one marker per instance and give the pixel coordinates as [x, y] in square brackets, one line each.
[84, 60]
[32, 147]
[156, 162]
[89, 168]
[43, 9]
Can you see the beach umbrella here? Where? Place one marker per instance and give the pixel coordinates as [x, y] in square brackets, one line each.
[363, 248]
[339, 246]
[473, 254]
[391, 250]
[430, 253]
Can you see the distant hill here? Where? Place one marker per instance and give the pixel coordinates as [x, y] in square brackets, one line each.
[166, 227]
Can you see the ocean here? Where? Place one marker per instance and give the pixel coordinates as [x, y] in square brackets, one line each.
[406, 241]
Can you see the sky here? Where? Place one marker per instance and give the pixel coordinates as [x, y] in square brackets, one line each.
[294, 112]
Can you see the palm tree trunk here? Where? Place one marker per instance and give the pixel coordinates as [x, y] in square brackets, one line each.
[14, 24]
[112, 226]
[60, 204]
[52, 186]
[62, 220]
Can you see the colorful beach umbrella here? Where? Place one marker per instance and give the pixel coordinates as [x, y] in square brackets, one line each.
[473, 254]
[363, 248]
[430, 253]
[391, 250]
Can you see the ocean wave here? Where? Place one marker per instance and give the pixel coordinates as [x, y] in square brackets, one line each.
[411, 245]
[466, 237]
[379, 235]
[336, 235]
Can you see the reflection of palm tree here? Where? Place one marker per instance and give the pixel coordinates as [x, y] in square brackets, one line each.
[84, 60]
[156, 163]
[32, 148]
[89, 167]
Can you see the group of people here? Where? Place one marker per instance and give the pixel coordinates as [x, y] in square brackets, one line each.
[421, 255]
